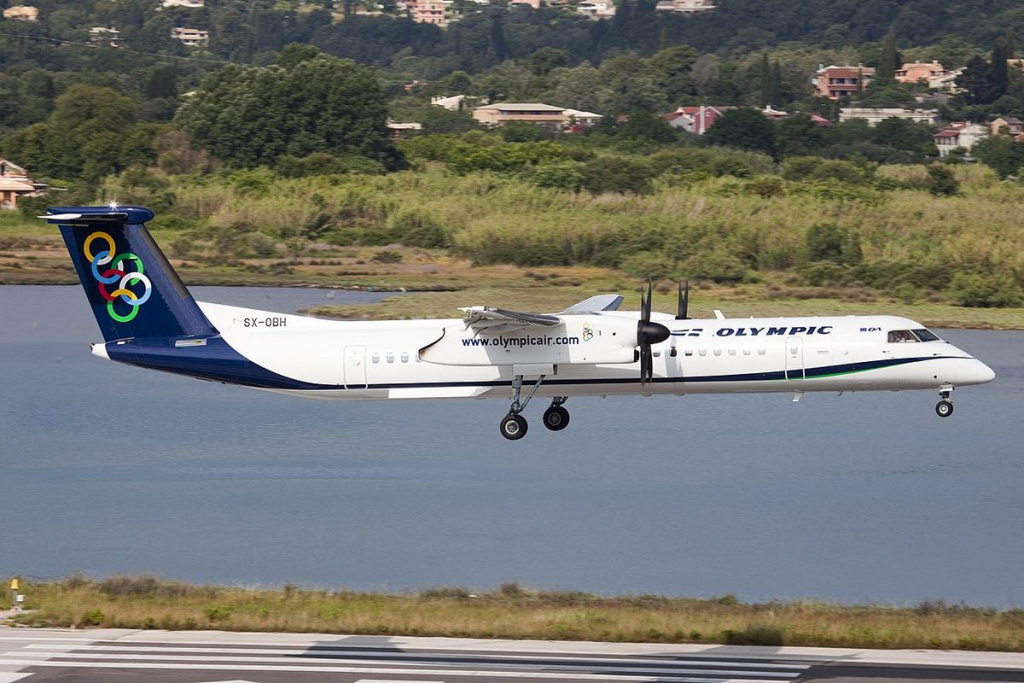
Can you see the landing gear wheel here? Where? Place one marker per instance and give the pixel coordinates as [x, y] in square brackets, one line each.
[556, 418]
[513, 427]
[944, 408]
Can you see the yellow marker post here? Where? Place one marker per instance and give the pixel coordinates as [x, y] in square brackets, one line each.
[14, 584]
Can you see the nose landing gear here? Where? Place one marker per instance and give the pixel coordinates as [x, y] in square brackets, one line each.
[944, 408]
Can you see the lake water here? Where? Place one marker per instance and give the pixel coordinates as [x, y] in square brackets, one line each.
[865, 497]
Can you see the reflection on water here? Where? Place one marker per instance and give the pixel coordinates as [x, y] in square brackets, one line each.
[105, 468]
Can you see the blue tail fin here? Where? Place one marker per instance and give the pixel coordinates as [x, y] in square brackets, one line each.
[131, 286]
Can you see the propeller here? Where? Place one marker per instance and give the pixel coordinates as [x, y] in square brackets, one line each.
[684, 302]
[648, 334]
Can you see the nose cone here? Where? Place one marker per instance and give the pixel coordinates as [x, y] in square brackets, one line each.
[976, 372]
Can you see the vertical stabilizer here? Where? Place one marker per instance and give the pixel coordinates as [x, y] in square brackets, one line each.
[132, 288]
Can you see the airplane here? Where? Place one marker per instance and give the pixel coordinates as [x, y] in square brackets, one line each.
[149, 319]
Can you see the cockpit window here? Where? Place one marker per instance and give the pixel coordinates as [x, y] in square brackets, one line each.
[901, 336]
[926, 335]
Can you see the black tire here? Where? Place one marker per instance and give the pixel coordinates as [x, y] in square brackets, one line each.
[556, 418]
[944, 408]
[513, 427]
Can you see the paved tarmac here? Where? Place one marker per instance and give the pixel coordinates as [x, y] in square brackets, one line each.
[103, 655]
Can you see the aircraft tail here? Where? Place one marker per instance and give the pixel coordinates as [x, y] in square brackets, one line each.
[132, 288]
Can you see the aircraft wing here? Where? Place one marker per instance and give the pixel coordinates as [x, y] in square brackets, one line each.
[596, 304]
[487, 317]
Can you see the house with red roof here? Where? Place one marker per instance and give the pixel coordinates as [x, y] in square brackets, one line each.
[834, 82]
[959, 134]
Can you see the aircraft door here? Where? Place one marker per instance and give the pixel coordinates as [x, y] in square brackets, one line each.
[795, 358]
[355, 367]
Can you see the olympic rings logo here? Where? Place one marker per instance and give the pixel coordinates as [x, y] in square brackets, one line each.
[116, 273]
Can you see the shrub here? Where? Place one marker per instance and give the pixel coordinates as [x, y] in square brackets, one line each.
[563, 175]
[93, 618]
[942, 181]
[387, 256]
[326, 164]
[417, 228]
[830, 242]
[615, 174]
[719, 266]
[648, 264]
[755, 634]
[985, 291]
[826, 274]
[766, 186]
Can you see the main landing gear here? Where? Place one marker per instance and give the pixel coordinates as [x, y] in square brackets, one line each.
[944, 408]
[514, 425]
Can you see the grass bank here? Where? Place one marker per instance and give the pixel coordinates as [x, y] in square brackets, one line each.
[512, 611]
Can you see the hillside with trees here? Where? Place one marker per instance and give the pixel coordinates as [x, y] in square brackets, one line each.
[297, 97]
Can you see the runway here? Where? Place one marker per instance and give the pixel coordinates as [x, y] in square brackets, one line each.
[98, 656]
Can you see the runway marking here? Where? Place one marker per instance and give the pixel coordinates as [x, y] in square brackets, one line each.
[345, 669]
[384, 680]
[11, 678]
[540, 659]
[494, 668]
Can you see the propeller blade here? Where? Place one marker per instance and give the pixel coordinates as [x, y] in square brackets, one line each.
[648, 334]
[684, 302]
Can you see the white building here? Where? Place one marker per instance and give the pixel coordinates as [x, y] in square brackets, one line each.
[960, 134]
[876, 116]
[596, 9]
[193, 4]
[685, 6]
[191, 37]
[100, 35]
[22, 13]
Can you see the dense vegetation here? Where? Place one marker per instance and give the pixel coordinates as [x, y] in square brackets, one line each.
[286, 147]
[512, 611]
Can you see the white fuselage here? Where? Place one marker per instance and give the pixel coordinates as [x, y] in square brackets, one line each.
[590, 354]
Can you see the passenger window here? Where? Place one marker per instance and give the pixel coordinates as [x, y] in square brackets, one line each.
[405, 356]
[375, 358]
[391, 357]
[901, 337]
[718, 352]
[732, 352]
[746, 352]
[703, 352]
[761, 352]
[689, 352]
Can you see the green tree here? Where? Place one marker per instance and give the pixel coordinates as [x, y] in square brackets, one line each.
[888, 61]
[162, 82]
[1000, 153]
[545, 60]
[744, 128]
[942, 181]
[249, 117]
[644, 125]
[798, 136]
[671, 70]
[766, 82]
[90, 134]
[999, 75]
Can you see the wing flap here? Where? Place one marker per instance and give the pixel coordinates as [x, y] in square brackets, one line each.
[483, 317]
